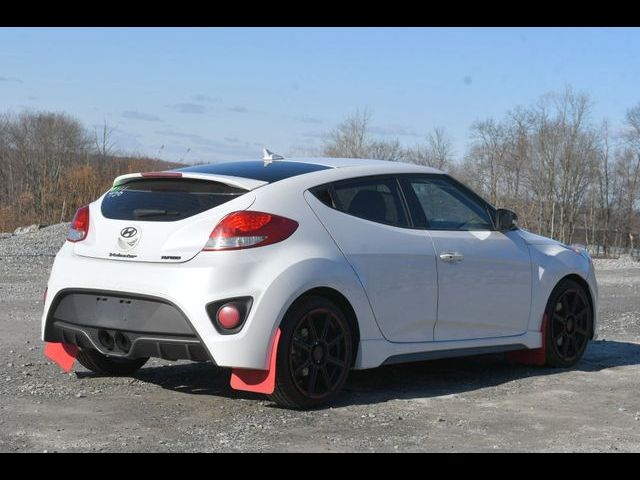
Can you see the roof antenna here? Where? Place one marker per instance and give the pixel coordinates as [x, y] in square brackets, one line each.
[268, 156]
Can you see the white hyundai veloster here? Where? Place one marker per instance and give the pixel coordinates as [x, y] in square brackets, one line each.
[293, 272]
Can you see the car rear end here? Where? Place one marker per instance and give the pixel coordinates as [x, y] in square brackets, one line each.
[151, 269]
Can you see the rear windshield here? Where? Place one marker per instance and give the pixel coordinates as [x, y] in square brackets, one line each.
[165, 199]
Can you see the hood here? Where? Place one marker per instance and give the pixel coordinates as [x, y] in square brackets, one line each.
[534, 239]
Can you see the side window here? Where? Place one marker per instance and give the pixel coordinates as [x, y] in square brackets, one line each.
[324, 196]
[446, 206]
[376, 199]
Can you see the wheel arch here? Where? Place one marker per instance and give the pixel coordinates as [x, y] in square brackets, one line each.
[264, 381]
[343, 303]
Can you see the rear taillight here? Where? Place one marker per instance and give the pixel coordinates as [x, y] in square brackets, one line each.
[79, 227]
[249, 229]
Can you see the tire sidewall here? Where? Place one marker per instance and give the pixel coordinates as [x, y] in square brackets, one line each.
[553, 359]
[284, 377]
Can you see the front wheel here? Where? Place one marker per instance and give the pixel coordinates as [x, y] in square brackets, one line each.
[314, 356]
[569, 324]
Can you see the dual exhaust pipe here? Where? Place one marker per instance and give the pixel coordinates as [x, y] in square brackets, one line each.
[118, 341]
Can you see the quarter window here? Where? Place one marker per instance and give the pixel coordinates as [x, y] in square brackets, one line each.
[375, 199]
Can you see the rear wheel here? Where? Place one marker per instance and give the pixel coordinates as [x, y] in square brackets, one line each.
[113, 366]
[315, 354]
[569, 324]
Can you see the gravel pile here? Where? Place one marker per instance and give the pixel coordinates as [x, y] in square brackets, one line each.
[624, 261]
[44, 242]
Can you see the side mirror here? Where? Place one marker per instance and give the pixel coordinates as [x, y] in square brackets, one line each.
[506, 219]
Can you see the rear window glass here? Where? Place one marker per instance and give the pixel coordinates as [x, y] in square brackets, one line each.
[165, 199]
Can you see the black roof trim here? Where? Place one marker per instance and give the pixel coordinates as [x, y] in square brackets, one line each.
[257, 170]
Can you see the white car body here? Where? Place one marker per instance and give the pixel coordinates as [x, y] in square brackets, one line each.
[410, 304]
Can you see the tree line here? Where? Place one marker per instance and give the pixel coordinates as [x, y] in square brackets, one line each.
[566, 175]
[50, 165]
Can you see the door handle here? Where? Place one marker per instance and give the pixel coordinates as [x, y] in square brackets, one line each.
[451, 257]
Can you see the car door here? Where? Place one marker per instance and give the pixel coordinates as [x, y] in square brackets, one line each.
[367, 218]
[484, 275]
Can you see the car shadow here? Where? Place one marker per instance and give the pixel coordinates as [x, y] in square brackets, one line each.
[426, 379]
[437, 378]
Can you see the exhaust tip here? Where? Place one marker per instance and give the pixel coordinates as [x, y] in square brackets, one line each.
[105, 339]
[123, 342]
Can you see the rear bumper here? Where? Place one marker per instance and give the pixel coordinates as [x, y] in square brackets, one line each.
[187, 287]
[122, 325]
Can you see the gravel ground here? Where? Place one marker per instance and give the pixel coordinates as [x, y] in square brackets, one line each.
[471, 404]
[43, 243]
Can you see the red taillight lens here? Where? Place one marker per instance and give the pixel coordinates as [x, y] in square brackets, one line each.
[79, 227]
[249, 229]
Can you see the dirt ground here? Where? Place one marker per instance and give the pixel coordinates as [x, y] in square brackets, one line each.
[471, 404]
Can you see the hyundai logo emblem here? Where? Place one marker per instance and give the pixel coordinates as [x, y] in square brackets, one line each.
[128, 232]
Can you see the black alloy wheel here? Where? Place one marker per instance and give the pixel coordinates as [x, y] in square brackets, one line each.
[569, 324]
[314, 356]
[319, 350]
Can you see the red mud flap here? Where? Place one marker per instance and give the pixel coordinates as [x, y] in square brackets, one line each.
[259, 381]
[64, 354]
[532, 356]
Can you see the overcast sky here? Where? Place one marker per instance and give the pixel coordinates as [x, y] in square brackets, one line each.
[226, 93]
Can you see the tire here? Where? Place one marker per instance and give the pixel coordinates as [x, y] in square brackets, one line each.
[111, 366]
[315, 354]
[569, 324]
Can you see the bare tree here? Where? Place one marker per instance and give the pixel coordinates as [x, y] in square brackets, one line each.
[437, 152]
[386, 150]
[350, 139]
[50, 165]
[603, 190]
[103, 141]
[489, 151]
[628, 169]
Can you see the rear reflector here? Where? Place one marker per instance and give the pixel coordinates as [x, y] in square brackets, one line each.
[249, 229]
[229, 316]
[79, 227]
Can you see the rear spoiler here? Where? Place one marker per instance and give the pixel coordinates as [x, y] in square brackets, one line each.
[239, 182]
